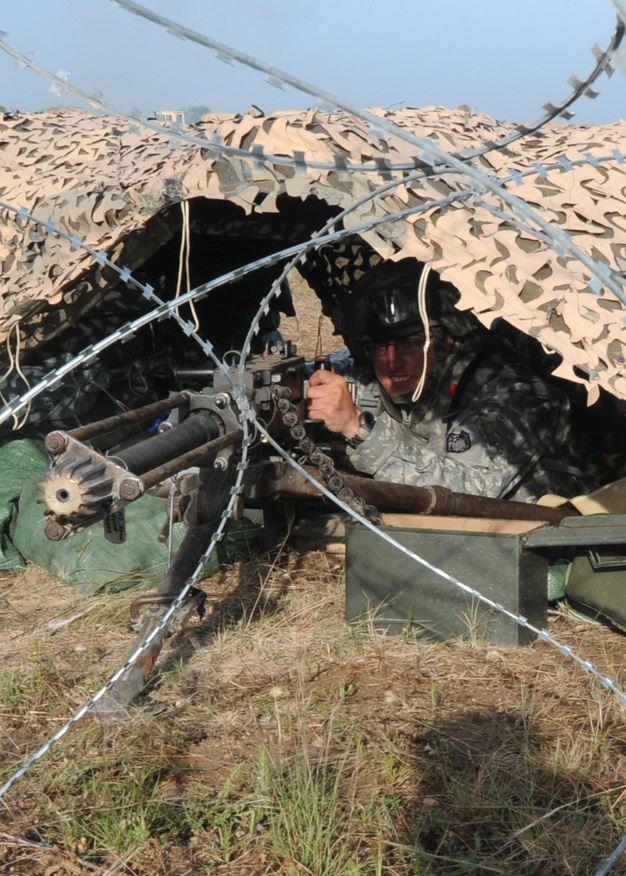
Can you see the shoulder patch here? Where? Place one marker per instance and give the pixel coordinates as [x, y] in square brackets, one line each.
[458, 441]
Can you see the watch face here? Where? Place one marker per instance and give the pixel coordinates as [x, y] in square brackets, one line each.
[367, 421]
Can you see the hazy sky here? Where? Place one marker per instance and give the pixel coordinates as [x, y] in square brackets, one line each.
[503, 57]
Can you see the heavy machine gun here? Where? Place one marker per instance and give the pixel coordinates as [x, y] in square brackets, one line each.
[196, 428]
[199, 441]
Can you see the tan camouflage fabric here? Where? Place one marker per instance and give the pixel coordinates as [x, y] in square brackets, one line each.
[102, 178]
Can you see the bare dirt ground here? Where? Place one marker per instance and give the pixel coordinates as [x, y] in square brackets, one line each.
[276, 739]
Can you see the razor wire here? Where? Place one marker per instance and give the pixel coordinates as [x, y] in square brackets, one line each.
[581, 87]
[175, 134]
[163, 309]
[299, 159]
[607, 865]
[170, 308]
[246, 416]
[227, 513]
[606, 681]
[277, 77]
[296, 252]
[516, 177]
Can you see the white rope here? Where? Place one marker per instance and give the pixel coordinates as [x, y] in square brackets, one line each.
[183, 261]
[422, 306]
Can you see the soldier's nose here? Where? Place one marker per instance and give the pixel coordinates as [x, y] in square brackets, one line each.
[391, 354]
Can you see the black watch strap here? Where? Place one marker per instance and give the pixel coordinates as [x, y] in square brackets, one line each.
[367, 421]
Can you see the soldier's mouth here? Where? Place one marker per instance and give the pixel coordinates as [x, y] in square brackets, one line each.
[401, 378]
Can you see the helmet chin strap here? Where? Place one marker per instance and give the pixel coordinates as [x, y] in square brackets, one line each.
[421, 304]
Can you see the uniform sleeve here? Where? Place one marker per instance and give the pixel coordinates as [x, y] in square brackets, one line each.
[393, 452]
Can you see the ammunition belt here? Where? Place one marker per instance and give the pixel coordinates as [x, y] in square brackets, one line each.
[320, 460]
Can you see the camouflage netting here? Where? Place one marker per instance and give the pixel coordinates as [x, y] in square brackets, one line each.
[118, 187]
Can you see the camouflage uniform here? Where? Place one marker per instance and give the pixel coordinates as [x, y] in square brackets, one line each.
[483, 426]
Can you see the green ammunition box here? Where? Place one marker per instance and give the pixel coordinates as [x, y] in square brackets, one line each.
[393, 592]
[596, 547]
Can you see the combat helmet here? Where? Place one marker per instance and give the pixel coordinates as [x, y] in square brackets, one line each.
[397, 299]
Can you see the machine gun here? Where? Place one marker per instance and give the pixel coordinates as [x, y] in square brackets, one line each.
[202, 432]
[201, 437]
[202, 429]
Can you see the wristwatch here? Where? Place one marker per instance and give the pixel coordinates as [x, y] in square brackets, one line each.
[367, 421]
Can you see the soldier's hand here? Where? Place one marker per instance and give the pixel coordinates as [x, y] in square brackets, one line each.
[330, 401]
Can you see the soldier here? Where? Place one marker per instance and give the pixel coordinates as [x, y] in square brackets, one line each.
[436, 399]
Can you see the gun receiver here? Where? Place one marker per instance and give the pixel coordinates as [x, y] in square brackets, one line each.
[82, 486]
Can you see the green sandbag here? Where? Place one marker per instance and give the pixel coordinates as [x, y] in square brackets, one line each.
[87, 558]
[21, 462]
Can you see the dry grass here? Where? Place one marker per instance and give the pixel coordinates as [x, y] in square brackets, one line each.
[275, 739]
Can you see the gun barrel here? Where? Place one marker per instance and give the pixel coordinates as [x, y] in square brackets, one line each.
[425, 500]
[139, 415]
[159, 449]
[198, 456]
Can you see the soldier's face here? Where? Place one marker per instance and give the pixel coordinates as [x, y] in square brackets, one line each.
[398, 364]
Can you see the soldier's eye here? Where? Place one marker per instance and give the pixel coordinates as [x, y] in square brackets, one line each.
[410, 345]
